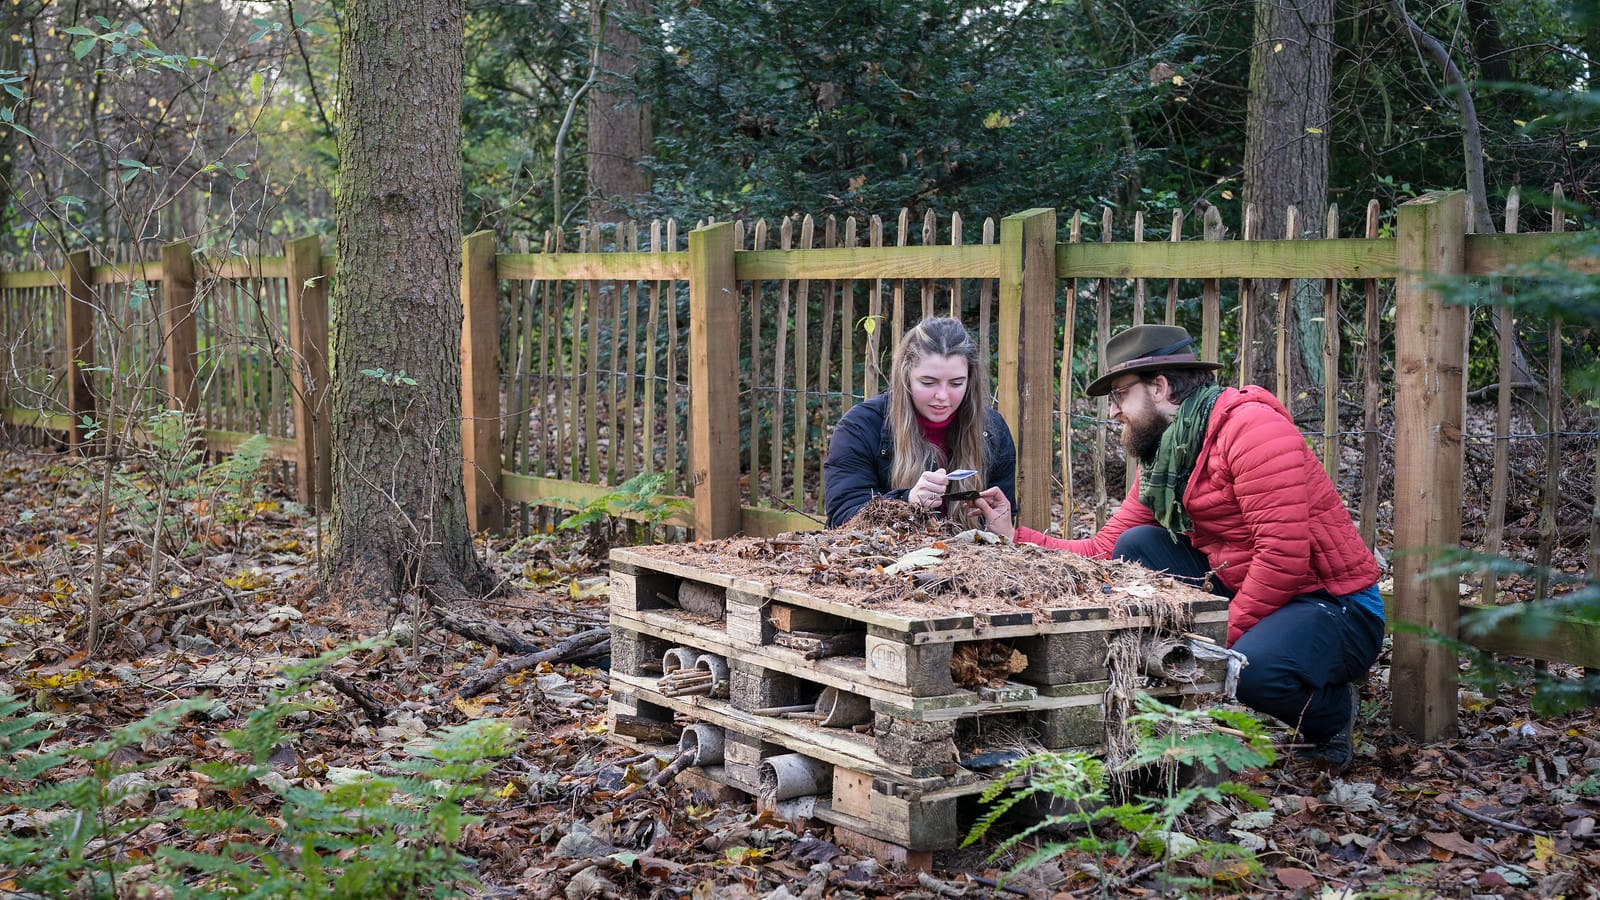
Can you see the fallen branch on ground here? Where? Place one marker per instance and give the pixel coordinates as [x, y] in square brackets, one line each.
[583, 643]
[1498, 823]
[682, 761]
[484, 632]
[375, 712]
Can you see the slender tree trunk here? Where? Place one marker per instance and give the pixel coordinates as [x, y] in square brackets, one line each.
[619, 122]
[14, 19]
[1286, 164]
[399, 513]
[1494, 62]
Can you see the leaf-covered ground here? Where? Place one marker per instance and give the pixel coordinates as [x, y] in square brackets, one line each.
[1506, 809]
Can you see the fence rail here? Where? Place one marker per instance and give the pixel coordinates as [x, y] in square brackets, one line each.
[724, 360]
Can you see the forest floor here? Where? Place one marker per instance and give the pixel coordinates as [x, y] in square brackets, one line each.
[1506, 809]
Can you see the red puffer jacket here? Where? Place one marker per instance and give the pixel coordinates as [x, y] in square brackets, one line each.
[1265, 514]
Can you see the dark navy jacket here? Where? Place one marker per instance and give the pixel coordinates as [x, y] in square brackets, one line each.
[862, 452]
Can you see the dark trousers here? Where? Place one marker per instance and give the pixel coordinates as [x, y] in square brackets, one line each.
[1302, 657]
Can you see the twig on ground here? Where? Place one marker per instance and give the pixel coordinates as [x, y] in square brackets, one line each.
[192, 604]
[679, 763]
[1498, 823]
[582, 643]
[990, 882]
[1117, 884]
[939, 888]
[484, 632]
[375, 713]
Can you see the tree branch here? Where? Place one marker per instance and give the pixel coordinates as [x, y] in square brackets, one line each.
[1471, 131]
[582, 643]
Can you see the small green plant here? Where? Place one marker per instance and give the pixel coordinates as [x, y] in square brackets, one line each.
[83, 801]
[129, 43]
[392, 379]
[1074, 789]
[231, 486]
[101, 828]
[169, 488]
[639, 498]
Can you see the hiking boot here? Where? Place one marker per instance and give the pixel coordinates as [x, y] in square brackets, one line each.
[1339, 750]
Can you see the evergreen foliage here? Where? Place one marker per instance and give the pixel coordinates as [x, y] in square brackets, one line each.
[863, 108]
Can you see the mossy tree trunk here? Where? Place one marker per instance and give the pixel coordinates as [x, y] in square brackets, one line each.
[399, 513]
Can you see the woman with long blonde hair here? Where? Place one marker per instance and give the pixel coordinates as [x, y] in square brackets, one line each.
[935, 419]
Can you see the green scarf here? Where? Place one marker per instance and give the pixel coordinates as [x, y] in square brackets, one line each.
[1162, 482]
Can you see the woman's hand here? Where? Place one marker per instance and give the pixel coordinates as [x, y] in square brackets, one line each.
[929, 489]
[996, 511]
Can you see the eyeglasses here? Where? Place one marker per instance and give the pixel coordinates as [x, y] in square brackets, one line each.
[1117, 395]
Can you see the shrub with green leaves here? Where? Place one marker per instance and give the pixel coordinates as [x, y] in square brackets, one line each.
[170, 489]
[640, 497]
[1075, 789]
[97, 827]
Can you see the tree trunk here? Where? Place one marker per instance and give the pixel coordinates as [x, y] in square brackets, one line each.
[1286, 164]
[619, 122]
[399, 512]
[14, 18]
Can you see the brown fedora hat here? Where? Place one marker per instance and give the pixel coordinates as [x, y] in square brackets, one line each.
[1147, 348]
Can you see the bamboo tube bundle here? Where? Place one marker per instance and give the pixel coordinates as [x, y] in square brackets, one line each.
[688, 673]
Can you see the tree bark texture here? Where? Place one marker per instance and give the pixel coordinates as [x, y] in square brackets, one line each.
[399, 512]
[619, 124]
[1286, 163]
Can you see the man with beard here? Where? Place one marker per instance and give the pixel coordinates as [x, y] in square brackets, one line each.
[1229, 496]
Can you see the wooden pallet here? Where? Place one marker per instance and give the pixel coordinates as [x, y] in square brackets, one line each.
[903, 656]
[906, 729]
[916, 814]
[898, 781]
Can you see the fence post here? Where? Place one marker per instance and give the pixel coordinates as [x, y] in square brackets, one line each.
[177, 324]
[77, 280]
[1429, 404]
[308, 342]
[714, 382]
[1027, 359]
[480, 381]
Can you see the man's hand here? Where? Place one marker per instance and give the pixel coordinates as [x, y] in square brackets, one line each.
[996, 511]
[929, 489]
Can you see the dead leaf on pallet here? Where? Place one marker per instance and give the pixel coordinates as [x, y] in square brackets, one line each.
[920, 558]
[979, 664]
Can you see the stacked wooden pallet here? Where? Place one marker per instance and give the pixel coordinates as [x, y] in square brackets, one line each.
[855, 705]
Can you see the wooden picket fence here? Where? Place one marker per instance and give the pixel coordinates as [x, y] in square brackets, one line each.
[723, 356]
